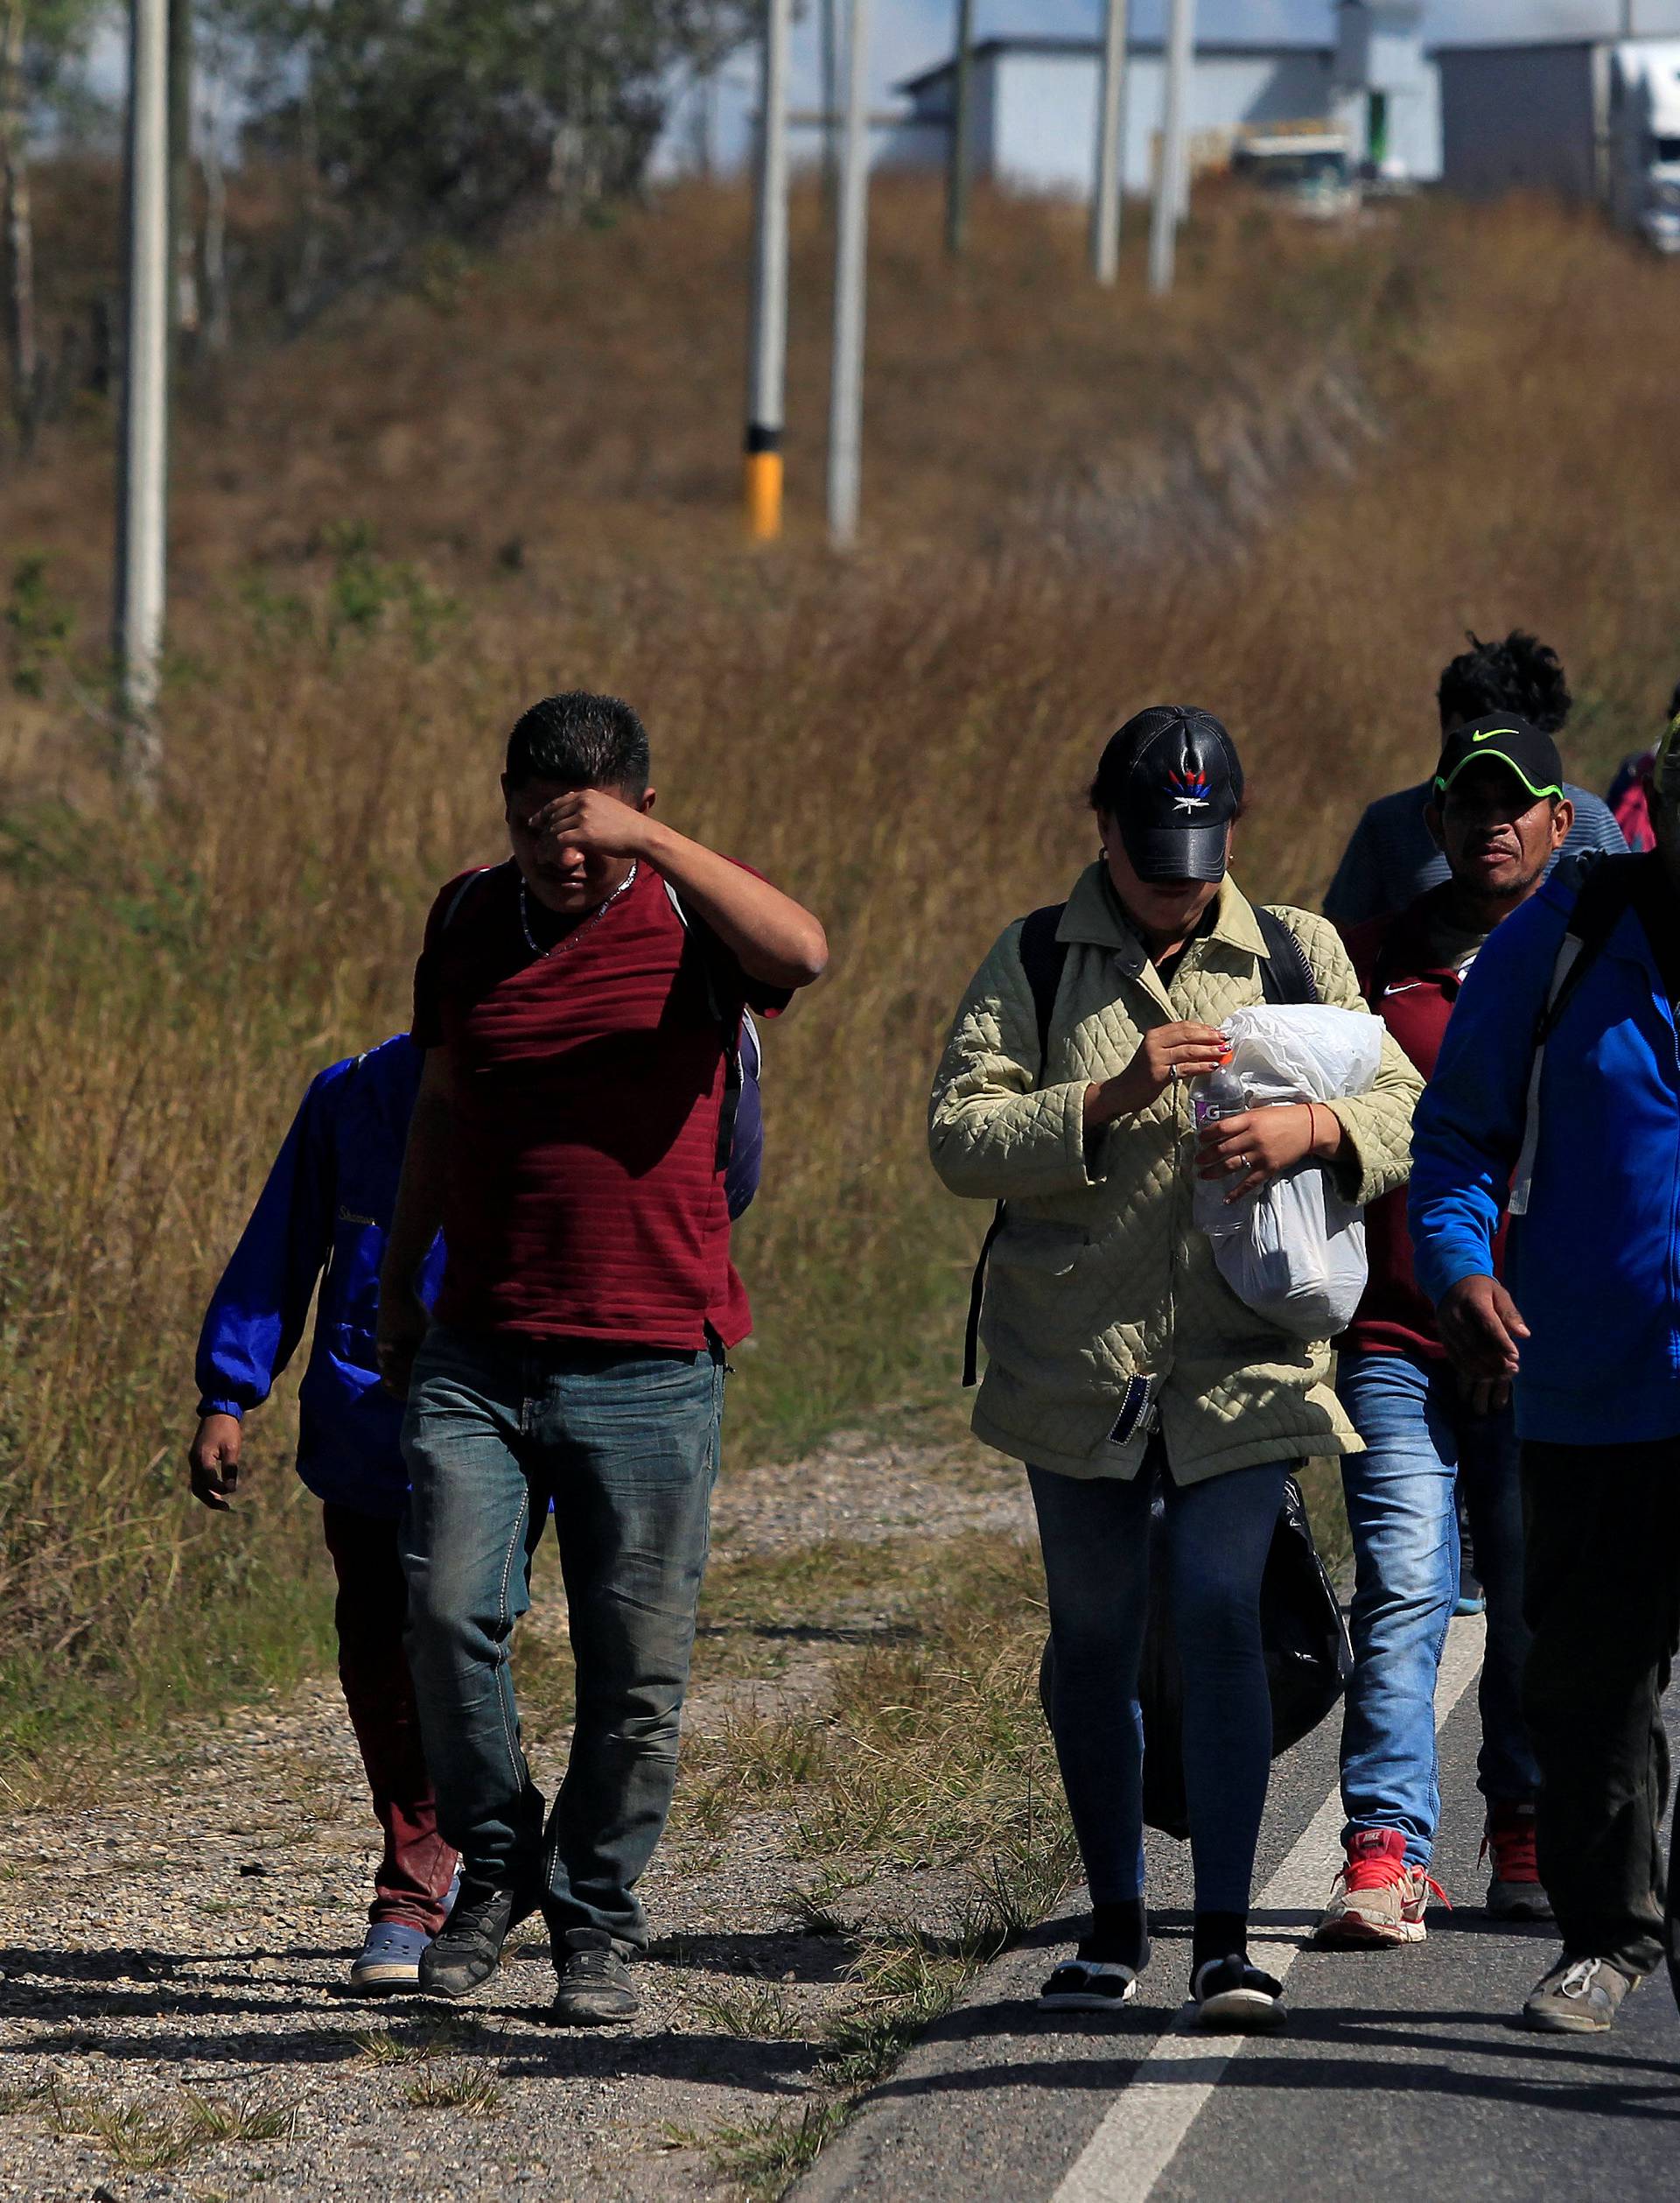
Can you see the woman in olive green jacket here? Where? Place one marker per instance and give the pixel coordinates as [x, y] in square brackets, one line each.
[1118, 1358]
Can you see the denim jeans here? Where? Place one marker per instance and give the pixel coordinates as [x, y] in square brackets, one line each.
[623, 1442]
[1422, 1444]
[1095, 1535]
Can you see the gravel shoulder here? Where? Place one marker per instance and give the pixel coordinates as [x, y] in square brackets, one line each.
[172, 2018]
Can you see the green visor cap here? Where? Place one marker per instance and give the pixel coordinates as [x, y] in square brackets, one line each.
[1506, 740]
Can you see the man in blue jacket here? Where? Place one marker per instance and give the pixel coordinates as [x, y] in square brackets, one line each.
[1559, 1080]
[323, 1213]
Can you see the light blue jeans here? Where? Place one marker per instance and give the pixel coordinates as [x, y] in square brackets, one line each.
[1422, 1444]
[624, 1443]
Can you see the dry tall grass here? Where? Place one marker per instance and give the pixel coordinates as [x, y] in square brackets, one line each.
[1283, 495]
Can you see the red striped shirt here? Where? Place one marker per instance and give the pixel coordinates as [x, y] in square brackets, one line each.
[582, 1199]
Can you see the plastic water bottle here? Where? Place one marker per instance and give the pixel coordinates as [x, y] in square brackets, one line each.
[1221, 1094]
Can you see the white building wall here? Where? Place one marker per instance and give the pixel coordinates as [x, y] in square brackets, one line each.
[1043, 109]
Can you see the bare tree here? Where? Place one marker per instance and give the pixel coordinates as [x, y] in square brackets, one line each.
[23, 350]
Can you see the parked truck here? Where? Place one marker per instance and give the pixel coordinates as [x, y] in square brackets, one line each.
[1593, 119]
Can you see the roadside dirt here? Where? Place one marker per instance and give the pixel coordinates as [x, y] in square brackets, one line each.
[173, 2021]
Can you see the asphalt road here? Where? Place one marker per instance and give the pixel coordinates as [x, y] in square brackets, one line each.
[1403, 2073]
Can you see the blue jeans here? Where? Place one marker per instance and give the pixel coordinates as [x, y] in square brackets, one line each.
[1095, 1536]
[623, 1443]
[1422, 1442]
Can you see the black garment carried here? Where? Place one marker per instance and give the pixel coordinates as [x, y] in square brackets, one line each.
[1285, 976]
[1308, 1657]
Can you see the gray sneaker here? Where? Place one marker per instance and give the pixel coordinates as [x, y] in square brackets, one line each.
[1579, 1997]
[595, 1989]
[468, 1948]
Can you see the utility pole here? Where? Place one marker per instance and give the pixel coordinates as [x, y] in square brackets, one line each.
[140, 545]
[830, 57]
[961, 149]
[767, 357]
[851, 288]
[1170, 180]
[1111, 147]
[184, 282]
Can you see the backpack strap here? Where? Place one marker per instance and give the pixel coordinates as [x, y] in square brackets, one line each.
[734, 1069]
[1286, 975]
[1043, 959]
[465, 889]
[1606, 890]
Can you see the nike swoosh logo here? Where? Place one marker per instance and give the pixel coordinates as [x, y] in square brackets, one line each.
[1492, 734]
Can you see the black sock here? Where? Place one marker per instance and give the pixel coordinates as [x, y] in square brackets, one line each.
[1218, 1935]
[1119, 1935]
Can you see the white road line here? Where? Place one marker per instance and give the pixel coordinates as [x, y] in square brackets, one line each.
[1140, 2132]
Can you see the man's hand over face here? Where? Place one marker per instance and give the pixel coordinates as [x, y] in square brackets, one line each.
[593, 821]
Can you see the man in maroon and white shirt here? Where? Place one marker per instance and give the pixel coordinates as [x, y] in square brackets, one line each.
[1500, 815]
[580, 1006]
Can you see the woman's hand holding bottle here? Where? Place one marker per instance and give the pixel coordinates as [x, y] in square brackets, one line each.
[1165, 1052]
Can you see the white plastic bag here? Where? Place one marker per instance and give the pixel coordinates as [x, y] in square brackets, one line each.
[1295, 1251]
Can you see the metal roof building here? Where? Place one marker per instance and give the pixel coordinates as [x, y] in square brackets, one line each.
[1035, 99]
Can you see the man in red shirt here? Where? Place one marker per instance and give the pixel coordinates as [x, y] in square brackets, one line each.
[580, 1006]
[1500, 815]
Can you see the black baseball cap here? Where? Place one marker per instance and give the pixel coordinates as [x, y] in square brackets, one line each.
[1509, 740]
[1171, 780]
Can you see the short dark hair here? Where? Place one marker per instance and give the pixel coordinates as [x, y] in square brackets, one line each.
[1521, 675]
[1674, 705]
[580, 740]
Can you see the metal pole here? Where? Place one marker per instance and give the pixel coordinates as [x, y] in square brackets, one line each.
[1111, 147]
[767, 359]
[961, 151]
[850, 286]
[1170, 193]
[830, 59]
[140, 551]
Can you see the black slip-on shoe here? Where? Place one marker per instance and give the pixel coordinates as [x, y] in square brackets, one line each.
[466, 1950]
[1229, 1996]
[595, 1987]
[1089, 1985]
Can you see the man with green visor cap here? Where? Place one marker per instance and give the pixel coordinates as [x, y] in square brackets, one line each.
[1499, 814]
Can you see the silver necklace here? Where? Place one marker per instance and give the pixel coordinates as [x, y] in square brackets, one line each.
[600, 911]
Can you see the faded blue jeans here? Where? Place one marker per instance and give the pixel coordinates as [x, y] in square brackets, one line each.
[623, 1443]
[1423, 1444]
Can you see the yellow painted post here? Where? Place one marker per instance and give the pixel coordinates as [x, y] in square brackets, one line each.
[767, 353]
[764, 494]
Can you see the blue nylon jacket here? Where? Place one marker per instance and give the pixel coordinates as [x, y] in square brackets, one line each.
[325, 1209]
[1594, 1265]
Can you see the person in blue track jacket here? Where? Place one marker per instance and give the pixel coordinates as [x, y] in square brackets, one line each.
[323, 1215]
[1559, 1082]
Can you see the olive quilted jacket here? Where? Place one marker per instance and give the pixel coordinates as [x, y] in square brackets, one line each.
[1099, 1278]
